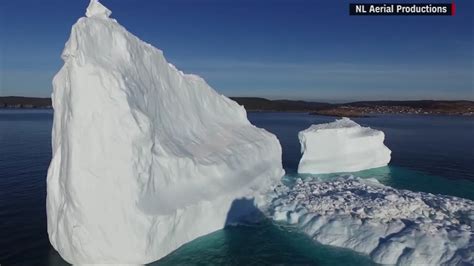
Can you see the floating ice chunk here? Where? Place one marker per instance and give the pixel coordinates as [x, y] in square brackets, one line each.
[145, 158]
[391, 226]
[341, 146]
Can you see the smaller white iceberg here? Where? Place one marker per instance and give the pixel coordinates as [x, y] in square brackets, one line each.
[341, 146]
[389, 225]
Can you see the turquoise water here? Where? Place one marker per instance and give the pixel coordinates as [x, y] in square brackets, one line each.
[404, 178]
[429, 153]
[262, 244]
[269, 243]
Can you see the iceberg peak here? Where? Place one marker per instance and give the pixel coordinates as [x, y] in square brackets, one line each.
[97, 10]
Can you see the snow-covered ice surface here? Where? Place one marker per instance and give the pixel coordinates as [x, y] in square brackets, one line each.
[391, 226]
[341, 146]
[145, 157]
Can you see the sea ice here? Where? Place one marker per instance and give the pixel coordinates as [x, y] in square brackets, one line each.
[145, 157]
[391, 226]
[341, 146]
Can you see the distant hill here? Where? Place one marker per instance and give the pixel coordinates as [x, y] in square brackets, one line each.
[362, 108]
[414, 104]
[262, 104]
[24, 102]
[367, 108]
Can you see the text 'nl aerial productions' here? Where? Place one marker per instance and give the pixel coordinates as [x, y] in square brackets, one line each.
[402, 9]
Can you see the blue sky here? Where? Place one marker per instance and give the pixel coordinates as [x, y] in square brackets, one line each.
[294, 49]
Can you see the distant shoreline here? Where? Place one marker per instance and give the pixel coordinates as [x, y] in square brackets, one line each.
[17, 102]
[360, 109]
[351, 109]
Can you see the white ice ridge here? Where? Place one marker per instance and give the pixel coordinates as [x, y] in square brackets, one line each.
[145, 158]
[341, 146]
[391, 226]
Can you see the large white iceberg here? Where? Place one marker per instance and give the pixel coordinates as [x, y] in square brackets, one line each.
[145, 158]
[341, 146]
[391, 226]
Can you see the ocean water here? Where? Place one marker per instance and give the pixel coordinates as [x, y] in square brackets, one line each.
[429, 153]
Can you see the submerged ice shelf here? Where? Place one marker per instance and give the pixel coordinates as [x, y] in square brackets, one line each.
[341, 146]
[145, 157]
[391, 226]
